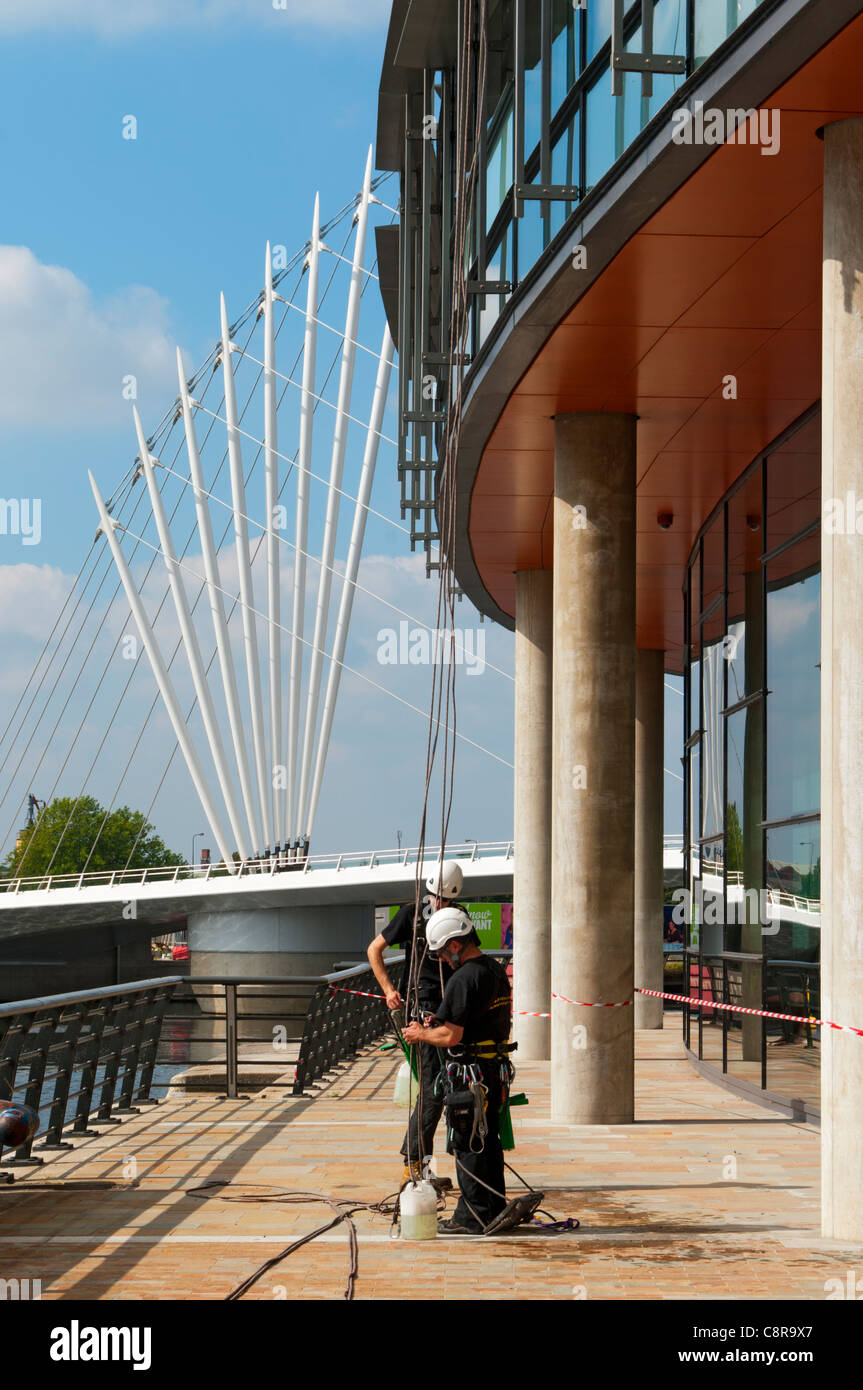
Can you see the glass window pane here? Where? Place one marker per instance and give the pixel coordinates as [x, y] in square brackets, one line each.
[715, 20]
[499, 175]
[694, 798]
[794, 881]
[794, 484]
[713, 687]
[564, 28]
[669, 36]
[713, 562]
[531, 237]
[598, 25]
[532, 78]
[794, 681]
[601, 118]
[743, 835]
[743, 645]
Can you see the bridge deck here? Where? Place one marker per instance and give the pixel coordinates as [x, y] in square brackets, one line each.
[661, 1217]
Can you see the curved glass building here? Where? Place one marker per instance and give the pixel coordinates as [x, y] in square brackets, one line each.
[626, 292]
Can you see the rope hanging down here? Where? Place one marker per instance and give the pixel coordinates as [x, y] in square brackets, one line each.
[473, 51]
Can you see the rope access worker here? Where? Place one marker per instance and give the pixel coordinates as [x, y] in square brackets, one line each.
[425, 972]
[472, 1021]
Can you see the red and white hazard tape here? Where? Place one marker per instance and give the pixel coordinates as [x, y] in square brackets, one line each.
[692, 1001]
[363, 994]
[696, 1003]
[623, 1004]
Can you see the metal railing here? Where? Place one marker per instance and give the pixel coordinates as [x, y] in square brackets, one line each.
[101, 1039]
[749, 980]
[270, 865]
[339, 1023]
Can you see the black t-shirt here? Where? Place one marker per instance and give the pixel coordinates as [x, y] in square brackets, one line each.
[400, 932]
[478, 998]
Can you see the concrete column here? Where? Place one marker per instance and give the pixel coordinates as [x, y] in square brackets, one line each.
[593, 781]
[649, 874]
[531, 884]
[842, 686]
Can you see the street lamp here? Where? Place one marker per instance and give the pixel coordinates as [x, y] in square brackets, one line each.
[200, 835]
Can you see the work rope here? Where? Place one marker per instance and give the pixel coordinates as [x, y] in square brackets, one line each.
[344, 1213]
[442, 702]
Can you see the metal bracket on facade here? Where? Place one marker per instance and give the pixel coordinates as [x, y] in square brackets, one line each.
[549, 192]
[440, 359]
[419, 417]
[646, 62]
[489, 287]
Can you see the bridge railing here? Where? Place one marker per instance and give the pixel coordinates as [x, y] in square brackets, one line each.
[81, 1060]
[269, 865]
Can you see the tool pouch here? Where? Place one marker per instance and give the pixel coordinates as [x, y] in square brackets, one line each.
[460, 1108]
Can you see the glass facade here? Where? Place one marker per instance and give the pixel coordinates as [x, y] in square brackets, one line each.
[535, 85]
[578, 82]
[752, 738]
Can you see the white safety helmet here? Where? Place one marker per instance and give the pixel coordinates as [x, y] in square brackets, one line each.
[445, 925]
[446, 881]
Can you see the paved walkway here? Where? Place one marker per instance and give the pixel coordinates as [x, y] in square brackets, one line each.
[705, 1196]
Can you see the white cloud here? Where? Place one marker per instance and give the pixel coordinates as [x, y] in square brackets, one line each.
[31, 597]
[118, 18]
[64, 354]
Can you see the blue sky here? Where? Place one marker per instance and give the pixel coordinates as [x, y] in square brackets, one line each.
[113, 251]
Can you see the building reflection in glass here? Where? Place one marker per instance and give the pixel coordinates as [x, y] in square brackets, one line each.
[752, 739]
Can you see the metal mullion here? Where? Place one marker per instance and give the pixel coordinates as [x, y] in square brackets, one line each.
[445, 158]
[545, 108]
[803, 818]
[518, 105]
[404, 307]
[424, 287]
[724, 727]
[747, 700]
[765, 676]
[770, 555]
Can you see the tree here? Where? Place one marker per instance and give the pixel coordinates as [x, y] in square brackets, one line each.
[68, 829]
[733, 840]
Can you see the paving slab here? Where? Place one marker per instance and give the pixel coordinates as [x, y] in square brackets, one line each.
[705, 1196]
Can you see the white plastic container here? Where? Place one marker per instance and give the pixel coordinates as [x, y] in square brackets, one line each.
[418, 1208]
[405, 1093]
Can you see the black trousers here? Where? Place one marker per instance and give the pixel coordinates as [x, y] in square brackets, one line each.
[419, 1142]
[477, 1172]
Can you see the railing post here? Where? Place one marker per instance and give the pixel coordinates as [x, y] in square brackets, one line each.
[231, 1068]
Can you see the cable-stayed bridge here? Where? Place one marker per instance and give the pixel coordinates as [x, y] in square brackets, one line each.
[207, 628]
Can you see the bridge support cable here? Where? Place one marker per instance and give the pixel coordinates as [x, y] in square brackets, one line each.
[244, 568]
[191, 646]
[218, 592]
[307, 418]
[315, 559]
[353, 564]
[359, 674]
[49, 742]
[163, 680]
[340, 439]
[217, 607]
[274, 595]
[264, 804]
